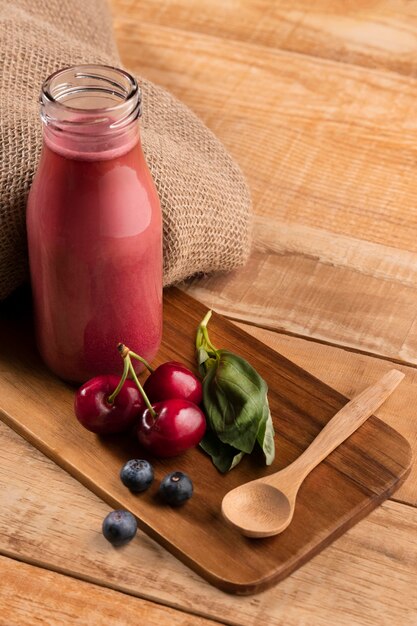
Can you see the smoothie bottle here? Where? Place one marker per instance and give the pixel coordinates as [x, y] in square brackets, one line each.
[94, 226]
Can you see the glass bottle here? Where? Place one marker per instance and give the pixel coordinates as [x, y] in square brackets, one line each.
[94, 226]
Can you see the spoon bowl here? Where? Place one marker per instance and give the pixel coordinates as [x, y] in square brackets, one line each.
[257, 509]
[265, 507]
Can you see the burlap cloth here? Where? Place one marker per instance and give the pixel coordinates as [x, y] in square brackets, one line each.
[204, 198]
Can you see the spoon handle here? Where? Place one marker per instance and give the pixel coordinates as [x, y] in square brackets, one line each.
[342, 425]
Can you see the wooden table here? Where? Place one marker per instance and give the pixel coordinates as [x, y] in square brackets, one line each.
[317, 101]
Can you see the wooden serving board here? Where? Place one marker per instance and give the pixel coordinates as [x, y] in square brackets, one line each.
[351, 482]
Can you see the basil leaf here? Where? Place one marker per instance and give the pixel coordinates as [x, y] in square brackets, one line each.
[235, 402]
[265, 436]
[224, 457]
[234, 396]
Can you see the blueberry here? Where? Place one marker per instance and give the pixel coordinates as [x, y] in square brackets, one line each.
[119, 527]
[176, 488]
[137, 475]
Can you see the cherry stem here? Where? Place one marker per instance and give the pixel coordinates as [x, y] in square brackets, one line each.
[112, 397]
[139, 386]
[126, 355]
[142, 360]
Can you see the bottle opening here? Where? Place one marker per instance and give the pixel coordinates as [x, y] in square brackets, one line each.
[83, 104]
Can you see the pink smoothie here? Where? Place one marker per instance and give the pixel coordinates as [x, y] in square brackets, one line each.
[95, 251]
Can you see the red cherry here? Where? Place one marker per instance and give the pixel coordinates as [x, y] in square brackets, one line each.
[95, 413]
[179, 425]
[173, 380]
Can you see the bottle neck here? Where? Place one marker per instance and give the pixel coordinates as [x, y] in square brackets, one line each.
[90, 112]
[88, 147]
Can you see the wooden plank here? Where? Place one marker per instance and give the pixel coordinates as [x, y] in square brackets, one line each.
[47, 517]
[326, 147]
[332, 288]
[321, 143]
[383, 262]
[357, 476]
[379, 34]
[342, 370]
[31, 595]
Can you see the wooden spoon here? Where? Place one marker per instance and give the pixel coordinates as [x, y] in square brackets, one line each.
[265, 507]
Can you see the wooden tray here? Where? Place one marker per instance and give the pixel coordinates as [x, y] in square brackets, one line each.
[353, 480]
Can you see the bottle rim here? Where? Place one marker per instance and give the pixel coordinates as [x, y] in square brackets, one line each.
[79, 81]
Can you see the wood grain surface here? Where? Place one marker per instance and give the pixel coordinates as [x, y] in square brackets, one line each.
[327, 147]
[372, 33]
[316, 102]
[344, 488]
[62, 601]
[46, 517]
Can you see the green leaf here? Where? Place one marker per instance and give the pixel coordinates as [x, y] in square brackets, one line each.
[234, 396]
[235, 402]
[265, 436]
[224, 457]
